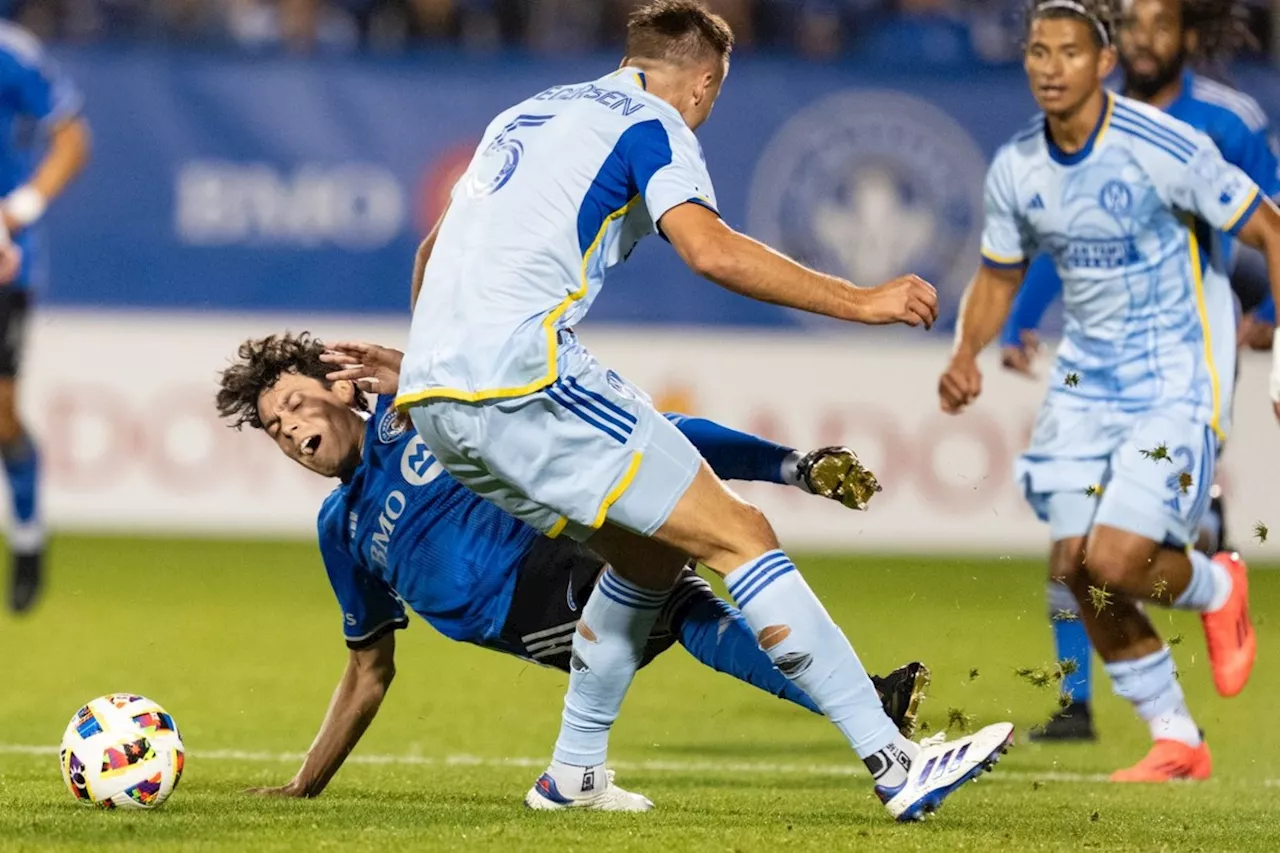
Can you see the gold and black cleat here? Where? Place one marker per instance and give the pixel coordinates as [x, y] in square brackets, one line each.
[836, 473]
[901, 693]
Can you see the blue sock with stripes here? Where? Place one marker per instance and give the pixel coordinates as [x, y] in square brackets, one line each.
[737, 455]
[1070, 640]
[22, 467]
[714, 632]
[607, 648]
[793, 628]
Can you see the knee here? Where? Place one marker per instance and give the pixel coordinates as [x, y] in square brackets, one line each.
[747, 535]
[1108, 567]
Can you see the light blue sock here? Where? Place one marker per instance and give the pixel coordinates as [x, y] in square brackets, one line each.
[1209, 588]
[1071, 641]
[607, 649]
[793, 628]
[714, 632]
[1151, 684]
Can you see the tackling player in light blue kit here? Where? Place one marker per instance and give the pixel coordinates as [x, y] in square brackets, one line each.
[561, 188]
[44, 143]
[1125, 199]
[399, 533]
[1156, 40]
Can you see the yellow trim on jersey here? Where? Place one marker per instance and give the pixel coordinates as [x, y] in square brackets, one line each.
[1000, 259]
[405, 400]
[558, 527]
[1106, 120]
[1203, 308]
[1235, 220]
[616, 491]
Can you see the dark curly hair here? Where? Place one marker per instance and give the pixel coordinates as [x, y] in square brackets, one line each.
[1102, 11]
[1222, 27]
[260, 363]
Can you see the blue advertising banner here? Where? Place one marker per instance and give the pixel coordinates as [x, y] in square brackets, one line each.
[232, 183]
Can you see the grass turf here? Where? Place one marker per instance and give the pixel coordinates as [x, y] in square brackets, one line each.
[241, 642]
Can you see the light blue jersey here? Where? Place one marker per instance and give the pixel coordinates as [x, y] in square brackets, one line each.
[1128, 222]
[1238, 126]
[560, 189]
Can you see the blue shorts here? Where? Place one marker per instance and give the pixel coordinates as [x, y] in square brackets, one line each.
[588, 448]
[1150, 473]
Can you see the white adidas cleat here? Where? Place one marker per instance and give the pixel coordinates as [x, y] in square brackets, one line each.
[545, 795]
[941, 767]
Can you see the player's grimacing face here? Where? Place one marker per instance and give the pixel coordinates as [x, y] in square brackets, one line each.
[1064, 64]
[1152, 43]
[311, 424]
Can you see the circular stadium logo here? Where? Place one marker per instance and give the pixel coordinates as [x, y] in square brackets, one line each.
[870, 185]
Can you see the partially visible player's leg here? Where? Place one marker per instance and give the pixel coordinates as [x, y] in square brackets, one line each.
[21, 459]
[1074, 721]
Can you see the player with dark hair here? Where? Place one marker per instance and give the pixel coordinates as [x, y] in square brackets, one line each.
[45, 144]
[1159, 41]
[561, 188]
[400, 532]
[1125, 199]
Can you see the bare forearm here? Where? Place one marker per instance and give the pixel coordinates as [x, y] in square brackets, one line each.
[983, 311]
[752, 269]
[354, 705]
[68, 154]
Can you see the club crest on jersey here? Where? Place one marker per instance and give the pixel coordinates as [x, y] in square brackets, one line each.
[866, 184]
[391, 426]
[1115, 198]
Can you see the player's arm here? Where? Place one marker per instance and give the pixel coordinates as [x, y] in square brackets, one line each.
[421, 257]
[735, 261]
[1019, 342]
[68, 154]
[355, 703]
[1262, 231]
[983, 311]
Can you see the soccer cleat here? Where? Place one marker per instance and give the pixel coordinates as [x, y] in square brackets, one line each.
[901, 693]
[26, 580]
[836, 473]
[1233, 645]
[1074, 722]
[941, 767]
[545, 796]
[1169, 760]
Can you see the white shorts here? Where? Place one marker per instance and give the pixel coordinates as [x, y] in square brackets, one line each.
[1161, 495]
[588, 448]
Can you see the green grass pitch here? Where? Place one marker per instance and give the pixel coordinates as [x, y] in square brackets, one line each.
[240, 641]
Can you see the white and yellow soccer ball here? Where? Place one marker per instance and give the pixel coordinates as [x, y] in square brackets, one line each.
[122, 750]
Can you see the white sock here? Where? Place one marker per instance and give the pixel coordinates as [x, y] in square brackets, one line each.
[791, 470]
[1209, 587]
[1151, 685]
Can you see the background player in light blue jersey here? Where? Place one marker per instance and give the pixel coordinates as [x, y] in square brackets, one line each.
[561, 188]
[399, 533]
[1125, 199]
[1157, 39]
[44, 143]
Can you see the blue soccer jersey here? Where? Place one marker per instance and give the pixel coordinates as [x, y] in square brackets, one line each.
[402, 532]
[1236, 124]
[1128, 223]
[34, 96]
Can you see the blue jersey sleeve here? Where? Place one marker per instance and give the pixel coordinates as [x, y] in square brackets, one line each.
[1040, 287]
[369, 607]
[667, 168]
[1254, 150]
[34, 86]
[1266, 312]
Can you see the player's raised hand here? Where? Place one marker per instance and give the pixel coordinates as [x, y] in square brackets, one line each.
[373, 368]
[961, 384]
[907, 299]
[10, 262]
[1021, 357]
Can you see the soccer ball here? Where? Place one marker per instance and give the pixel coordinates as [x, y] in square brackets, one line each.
[122, 750]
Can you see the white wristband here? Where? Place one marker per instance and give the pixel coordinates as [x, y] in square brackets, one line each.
[25, 205]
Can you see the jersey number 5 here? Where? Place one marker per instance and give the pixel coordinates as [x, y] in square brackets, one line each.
[498, 162]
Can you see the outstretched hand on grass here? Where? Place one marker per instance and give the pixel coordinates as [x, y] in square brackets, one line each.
[373, 368]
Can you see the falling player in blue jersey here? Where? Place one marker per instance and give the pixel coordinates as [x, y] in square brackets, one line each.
[1157, 40]
[1125, 199]
[400, 532]
[44, 143]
